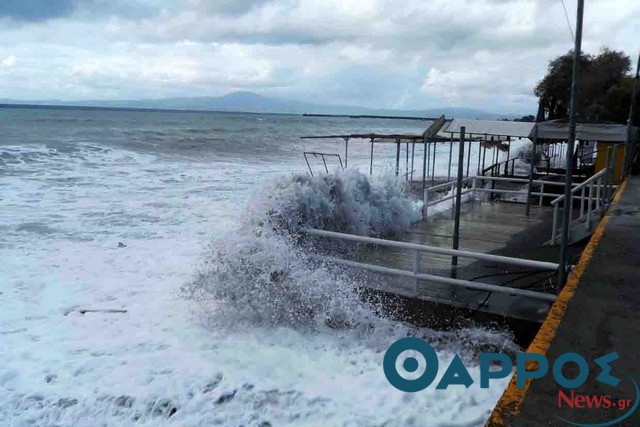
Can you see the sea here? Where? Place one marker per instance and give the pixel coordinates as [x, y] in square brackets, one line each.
[107, 216]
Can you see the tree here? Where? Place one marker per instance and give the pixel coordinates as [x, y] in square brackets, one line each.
[604, 92]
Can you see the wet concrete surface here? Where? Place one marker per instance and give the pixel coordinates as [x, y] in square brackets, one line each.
[602, 317]
[488, 227]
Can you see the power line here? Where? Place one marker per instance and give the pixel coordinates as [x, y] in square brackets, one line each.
[566, 15]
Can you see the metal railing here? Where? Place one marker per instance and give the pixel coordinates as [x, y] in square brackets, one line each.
[595, 203]
[473, 187]
[417, 275]
[495, 168]
[448, 188]
[593, 195]
[324, 160]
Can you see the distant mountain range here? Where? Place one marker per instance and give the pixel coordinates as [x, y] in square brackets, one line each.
[254, 103]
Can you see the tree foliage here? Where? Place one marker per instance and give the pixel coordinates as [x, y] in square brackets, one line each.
[604, 92]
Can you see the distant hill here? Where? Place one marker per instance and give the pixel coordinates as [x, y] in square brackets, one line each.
[254, 103]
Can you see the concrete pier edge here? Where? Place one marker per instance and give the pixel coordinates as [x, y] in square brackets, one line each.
[508, 407]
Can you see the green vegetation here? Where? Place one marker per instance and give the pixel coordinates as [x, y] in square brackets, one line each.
[605, 87]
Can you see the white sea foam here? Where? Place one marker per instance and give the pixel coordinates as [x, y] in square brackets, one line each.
[259, 273]
[346, 201]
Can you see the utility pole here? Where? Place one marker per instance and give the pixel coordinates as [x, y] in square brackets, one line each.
[539, 118]
[456, 224]
[573, 107]
[629, 151]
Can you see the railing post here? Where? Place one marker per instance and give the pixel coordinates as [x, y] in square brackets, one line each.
[453, 201]
[450, 155]
[605, 197]
[425, 204]
[532, 168]
[473, 188]
[582, 202]
[424, 175]
[554, 231]
[541, 193]
[598, 199]
[416, 270]
[589, 206]
[346, 152]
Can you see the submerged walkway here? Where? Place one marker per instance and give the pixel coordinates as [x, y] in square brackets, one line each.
[597, 313]
[488, 227]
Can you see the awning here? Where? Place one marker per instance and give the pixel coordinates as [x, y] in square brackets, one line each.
[500, 129]
[606, 132]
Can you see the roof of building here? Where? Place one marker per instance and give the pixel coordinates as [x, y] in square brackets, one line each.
[604, 132]
[497, 128]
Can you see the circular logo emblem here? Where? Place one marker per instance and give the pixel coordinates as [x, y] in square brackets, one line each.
[410, 364]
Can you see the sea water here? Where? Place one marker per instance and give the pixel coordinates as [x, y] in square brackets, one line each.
[115, 227]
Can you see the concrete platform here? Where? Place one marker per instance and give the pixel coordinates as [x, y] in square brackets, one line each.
[597, 313]
[490, 227]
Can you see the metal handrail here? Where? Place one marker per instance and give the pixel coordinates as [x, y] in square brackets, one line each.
[593, 205]
[542, 265]
[582, 185]
[498, 165]
[416, 275]
[524, 180]
[443, 280]
[447, 184]
[322, 155]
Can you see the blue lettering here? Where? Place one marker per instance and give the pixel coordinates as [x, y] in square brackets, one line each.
[521, 363]
[485, 364]
[583, 373]
[456, 373]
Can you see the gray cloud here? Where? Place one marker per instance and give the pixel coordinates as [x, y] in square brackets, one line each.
[35, 10]
[383, 53]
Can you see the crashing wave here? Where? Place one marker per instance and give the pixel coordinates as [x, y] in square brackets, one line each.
[260, 274]
[347, 201]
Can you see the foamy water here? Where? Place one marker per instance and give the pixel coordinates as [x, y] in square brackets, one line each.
[107, 215]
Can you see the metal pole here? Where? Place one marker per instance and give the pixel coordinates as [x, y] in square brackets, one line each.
[371, 161]
[397, 156]
[532, 169]
[406, 163]
[456, 224]
[308, 165]
[433, 165]
[479, 155]
[570, 144]
[614, 163]
[468, 158]
[629, 151]
[346, 152]
[425, 198]
[413, 154]
[605, 192]
[589, 207]
[484, 155]
[428, 158]
[598, 198]
[450, 155]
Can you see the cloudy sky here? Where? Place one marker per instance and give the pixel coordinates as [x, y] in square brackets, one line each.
[406, 54]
